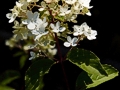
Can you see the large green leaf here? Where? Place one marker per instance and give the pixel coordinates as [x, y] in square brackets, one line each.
[85, 81]
[34, 74]
[94, 72]
[82, 81]
[86, 60]
[111, 71]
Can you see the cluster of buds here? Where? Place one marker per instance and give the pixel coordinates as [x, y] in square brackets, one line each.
[39, 23]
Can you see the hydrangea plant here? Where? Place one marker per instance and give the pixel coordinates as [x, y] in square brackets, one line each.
[40, 25]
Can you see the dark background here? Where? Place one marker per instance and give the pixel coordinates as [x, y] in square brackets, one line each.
[104, 19]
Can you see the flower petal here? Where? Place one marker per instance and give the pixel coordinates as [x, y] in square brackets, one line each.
[69, 39]
[67, 44]
[52, 26]
[25, 21]
[61, 29]
[31, 26]
[58, 24]
[29, 14]
[75, 33]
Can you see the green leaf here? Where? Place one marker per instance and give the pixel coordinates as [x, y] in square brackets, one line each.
[111, 71]
[86, 60]
[34, 74]
[85, 80]
[94, 72]
[22, 61]
[8, 76]
[82, 81]
[18, 53]
[5, 88]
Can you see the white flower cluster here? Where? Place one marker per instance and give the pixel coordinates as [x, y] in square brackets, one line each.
[39, 28]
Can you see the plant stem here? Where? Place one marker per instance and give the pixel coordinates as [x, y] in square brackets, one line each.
[61, 61]
[59, 53]
[58, 47]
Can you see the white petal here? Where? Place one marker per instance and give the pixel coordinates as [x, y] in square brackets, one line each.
[9, 15]
[69, 39]
[31, 26]
[38, 21]
[25, 21]
[35, 15]
[29, 0]
[12, 18]
[55, 30]
[52, 26]
[41, 9]
[37, 37]
[30, 58]
[62, 14]
[74, 41]
[29, 14]
[58, 24]
[61, 29]
[45, 33]
[88, 13]
[32, 53]
[18, 4]
[44, 20]
[70, 1]
[75, 33]
[45, 24]
[35, 32]
[67, 44]
[74, 44]
[68, 11]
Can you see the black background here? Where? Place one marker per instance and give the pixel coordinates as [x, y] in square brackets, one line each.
[104, 19]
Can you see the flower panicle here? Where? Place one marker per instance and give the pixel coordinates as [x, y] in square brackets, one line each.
[38, 28]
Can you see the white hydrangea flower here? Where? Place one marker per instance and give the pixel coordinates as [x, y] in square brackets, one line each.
[86, 30]
[91, 34]
[57, 28]
[15, 12]
[85, 3]
[31, 19]
[71, 42]
[70, 1]
[40, 22]
[79, 30]
[33, 55]
[40, 28]
[39, 33]
[64, 10]
[11, 16]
